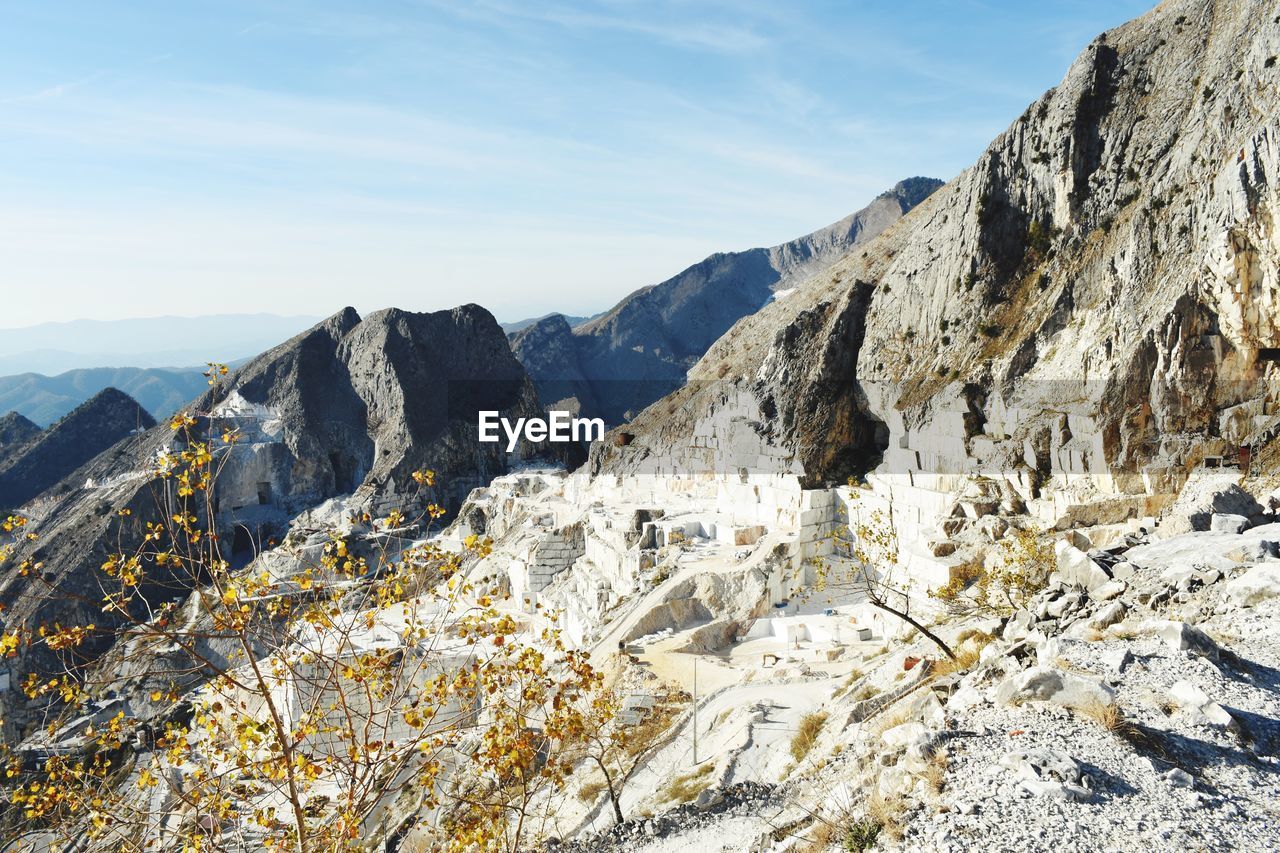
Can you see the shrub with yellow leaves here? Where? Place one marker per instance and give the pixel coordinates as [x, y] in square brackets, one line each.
[1021, 565]
[298, 711]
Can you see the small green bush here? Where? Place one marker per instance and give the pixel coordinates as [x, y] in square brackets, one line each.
[862, 836]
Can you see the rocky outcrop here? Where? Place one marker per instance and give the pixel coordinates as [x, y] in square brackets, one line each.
[620, 362]
[357, 405]
[45, 459]
[1071, 324]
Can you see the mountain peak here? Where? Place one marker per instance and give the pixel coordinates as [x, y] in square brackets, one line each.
[16, 428]
[93, 426]
[912, 191]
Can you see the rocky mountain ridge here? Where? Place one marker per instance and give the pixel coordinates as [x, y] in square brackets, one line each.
[1079, 317]
[640, 350]
[15, 430]
[39, 462]
[350, 408]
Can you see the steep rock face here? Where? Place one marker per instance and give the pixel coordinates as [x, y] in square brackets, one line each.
[1083, 314]
[357, 405]
[43, 460]
[630, 356]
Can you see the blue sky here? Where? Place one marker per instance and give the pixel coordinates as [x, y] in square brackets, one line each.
[191, 158]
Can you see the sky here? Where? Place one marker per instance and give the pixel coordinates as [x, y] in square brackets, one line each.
[295, 157]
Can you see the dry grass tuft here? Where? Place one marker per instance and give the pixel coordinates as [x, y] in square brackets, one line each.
[807, 734]
[887, 814]
[867, 691]
[1111, 718]
[895, 715]
[851, 680]
[590, 790]
[935, 773]
[686, 787]
[968, 652]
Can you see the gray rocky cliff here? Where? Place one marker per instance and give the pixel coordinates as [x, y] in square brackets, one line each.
[357, 405]
[1090, 306]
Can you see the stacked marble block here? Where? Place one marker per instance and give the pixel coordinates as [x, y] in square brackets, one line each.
[538, 564]
[928, 468]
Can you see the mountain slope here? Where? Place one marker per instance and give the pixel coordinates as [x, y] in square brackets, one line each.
[48, 457]
[365, 402]
[641, 349]
[517, 325]
[349, 408]
[15, 430]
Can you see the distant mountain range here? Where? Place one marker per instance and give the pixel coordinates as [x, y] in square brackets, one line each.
[518, 325]
[44, 399]
[54, 348]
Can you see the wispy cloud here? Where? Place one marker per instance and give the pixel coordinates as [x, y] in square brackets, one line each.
[55, 91]
[661, 22]
[532, 156]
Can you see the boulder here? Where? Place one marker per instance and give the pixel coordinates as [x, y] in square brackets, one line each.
[1184, 694]
[1053, 685]
[1109, 614]
[1118, 659]
[1254, 586]
[904, 735]
[1047, 772]
[1123, 570]
[1059, 607]
[944, 548]
[1076, 568]
[1208, 491]
[1197, 704]
[1018, 626]
[1187, 638]
[1048, 650]
[1222, 522]
[1107, 591]
[708, 798]
[966, 696]
[1050, 765]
